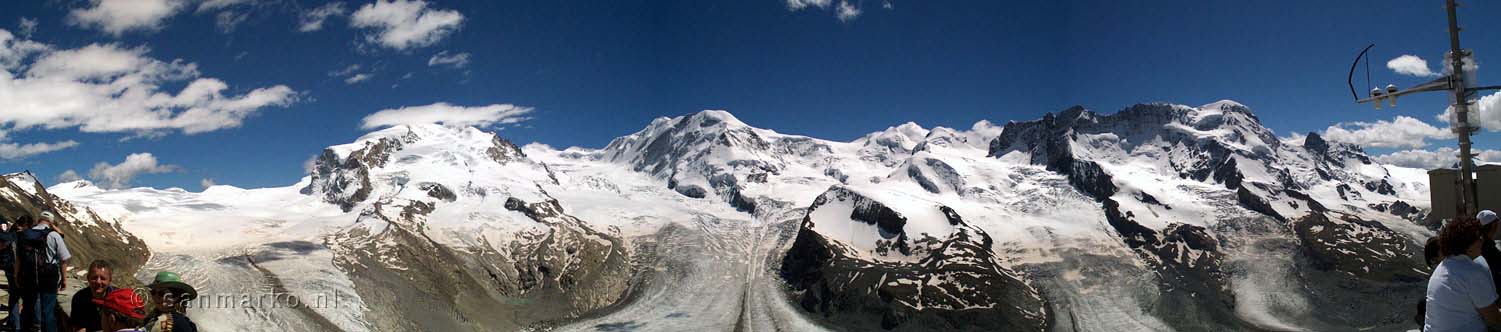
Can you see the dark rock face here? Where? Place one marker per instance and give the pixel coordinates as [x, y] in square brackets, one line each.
[504, 151]
[1359, 248]
[87, 235]
[955, 284]
[1333, 152]
[346, 181]
[438, 191]
[1190, 268]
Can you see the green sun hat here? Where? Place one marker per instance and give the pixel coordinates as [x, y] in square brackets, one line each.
[171, 281]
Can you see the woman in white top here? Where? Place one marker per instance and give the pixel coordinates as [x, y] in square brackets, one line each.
[1461, 295]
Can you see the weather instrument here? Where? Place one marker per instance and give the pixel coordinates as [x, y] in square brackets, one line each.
[1458, 79]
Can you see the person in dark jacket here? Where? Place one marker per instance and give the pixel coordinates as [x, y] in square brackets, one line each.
[85, 313]
[1488, 251]
[41, 262]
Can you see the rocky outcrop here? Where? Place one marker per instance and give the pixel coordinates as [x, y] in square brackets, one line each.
[345, 180]
[952, 282]
[1359, 248]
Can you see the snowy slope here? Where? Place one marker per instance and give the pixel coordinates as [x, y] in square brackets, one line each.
[1078, 220]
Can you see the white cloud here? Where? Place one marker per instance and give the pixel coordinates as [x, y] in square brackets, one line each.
[228, 20]
[1484, 113]
[310, 165]
[1410, 65]
[26, 27]
[1294, 139]
[459, 60]
[846, 11]
[119, 16]
[1430, 159]
[10, 151]
[356, 78]
[1402, 132]
[207, 182]
[800, 4]
[68, 176]
[404, 24]
[119, 175]
[313, 20]
[105, 88]
[219, 4]
[444, 113]
[352, 74]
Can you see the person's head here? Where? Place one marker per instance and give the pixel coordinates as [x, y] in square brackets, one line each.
[1430, 252]
[1488, 224]
[47, 218]
[24, 222]
[101, 274]
[1460, 237]
[121, 309]
[169, 293]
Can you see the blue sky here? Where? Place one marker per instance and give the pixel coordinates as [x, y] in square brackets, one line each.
[590, 71]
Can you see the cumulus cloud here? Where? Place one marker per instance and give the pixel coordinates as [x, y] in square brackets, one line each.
[459, 60]
[26, 27]
[106, 88]
[313, 20]
[68, 176]
[1484, 113]
[9, 151]
[1410, 65]
[119, 16]
[119, 175]
[207, 182]
[1402, 132]
[446, 114]
[405, 24]
[844, 10]
[1431, 159]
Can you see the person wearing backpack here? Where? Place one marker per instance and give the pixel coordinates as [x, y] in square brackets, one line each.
[41, 262]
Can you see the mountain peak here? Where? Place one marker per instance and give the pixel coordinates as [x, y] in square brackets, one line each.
[1227, 105]
[708, 118]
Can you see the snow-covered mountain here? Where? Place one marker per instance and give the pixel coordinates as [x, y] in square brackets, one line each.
[1157, 217]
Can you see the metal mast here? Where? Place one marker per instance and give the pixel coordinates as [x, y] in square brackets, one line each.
[1461, 104]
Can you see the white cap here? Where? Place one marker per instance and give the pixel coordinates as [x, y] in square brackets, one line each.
[48, 216]
[1486, 217]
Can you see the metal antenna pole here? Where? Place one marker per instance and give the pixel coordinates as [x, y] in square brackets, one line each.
[1467, 196]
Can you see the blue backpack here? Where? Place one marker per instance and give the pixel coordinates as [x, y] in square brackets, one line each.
[31, 252]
